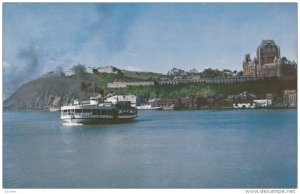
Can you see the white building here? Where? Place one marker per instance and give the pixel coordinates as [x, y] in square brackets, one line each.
[255, 104]
[135, 100]
[263, 102]
[69, 72]
[107, 69]
[243, 105]
[90, 70]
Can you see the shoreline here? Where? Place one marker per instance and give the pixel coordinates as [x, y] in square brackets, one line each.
[181, 109]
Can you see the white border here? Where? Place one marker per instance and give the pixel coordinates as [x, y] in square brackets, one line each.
[132, 191]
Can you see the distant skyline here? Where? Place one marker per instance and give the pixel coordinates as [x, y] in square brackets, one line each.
[43, 37]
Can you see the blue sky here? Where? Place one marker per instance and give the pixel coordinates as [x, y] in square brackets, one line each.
[41, 37]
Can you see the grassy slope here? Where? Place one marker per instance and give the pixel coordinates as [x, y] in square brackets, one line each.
[259, 88]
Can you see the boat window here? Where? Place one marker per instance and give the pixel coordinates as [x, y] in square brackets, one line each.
[94, 111]
[87, 111]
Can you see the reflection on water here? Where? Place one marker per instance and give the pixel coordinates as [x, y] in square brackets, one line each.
[173, 149]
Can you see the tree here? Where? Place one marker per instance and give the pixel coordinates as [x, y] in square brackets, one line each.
[240, 73]
[79, 68]
[284, 60]
[210, 73]
[175, 72]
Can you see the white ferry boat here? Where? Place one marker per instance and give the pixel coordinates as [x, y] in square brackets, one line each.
[97, 111]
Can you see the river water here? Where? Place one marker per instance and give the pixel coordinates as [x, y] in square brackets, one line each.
[161, 149]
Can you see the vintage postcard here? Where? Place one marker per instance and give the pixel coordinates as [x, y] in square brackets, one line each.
[150, 95]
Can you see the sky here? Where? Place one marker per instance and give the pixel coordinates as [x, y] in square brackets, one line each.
[42, 37]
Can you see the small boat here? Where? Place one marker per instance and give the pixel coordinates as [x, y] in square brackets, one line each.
[149, 107]
[97, 111]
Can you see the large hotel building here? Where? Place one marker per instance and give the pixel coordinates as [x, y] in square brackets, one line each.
[267, 62]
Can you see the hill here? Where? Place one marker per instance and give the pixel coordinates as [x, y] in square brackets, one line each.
[50, 90]
[56, 89]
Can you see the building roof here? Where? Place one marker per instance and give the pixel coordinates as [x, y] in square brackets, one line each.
[265, 43]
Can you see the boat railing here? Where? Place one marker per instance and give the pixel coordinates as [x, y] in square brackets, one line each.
[105, 104]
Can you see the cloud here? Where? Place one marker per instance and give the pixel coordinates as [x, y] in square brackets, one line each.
[53, 37]
[113, 25]
[25, 67]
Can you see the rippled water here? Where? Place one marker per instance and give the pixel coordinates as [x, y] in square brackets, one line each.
[161, 149]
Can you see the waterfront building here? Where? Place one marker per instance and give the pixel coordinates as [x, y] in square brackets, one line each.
[188, 102]
[183, 102]
[167, 102]
[273, 97]
[262, 103]
[244, 105]
[135, 100]
[290, 98]
[242, 97]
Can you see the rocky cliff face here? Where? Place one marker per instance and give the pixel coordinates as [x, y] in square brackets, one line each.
[52, 90]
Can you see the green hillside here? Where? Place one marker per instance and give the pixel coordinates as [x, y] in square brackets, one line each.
[57, 89]
[259, 88]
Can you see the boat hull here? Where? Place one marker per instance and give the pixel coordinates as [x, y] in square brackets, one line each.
[89, 120]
